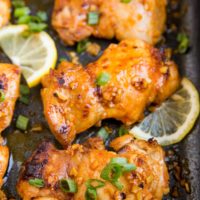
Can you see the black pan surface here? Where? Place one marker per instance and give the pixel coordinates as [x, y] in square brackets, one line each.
[183, 159]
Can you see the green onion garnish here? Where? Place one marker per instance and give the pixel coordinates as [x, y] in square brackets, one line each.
[91, 194]
[36, 182]
[24, 19]
[92, 185]
[111, 172]
[93, 18]
[37, 27]
[82, 46]
[19, 12]
[22, 122]
[68, 185]
[35, 23]
[24, 99]
[102, 133]
[18, 3]
[128, 167]
[42, 15]
[126, 1]
[118, 185]
[183, 40]
[24, 89]
[123, 162]
[103, 79]
[114, 169]
[122, 131]
[118, 160]
[2, 96]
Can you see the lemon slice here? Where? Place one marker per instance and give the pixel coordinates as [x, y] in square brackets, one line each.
[35, 54]
[174, 119]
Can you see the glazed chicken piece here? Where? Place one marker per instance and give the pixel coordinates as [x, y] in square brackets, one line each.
[5, 11]
[138, 19]
[9, 92]
[149, 181]
[137, 73]
[4, 157]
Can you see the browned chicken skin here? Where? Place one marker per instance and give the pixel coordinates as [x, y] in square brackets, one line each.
[5, 11]
[139, 75]
[9, 87]
[138, 19]
[149, 181]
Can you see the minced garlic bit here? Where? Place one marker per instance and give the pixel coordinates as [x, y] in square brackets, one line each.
[94, 165]
[164, 70]
[74, 58]
[93, 49]
[73, 172]
[37, 128]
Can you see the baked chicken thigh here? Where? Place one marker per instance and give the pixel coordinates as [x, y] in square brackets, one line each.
[120, 84]
[5, 11]
[79, 164]
[9, 92]
[75, 20]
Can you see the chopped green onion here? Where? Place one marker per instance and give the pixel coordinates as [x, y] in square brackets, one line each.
[122, 131]
[2, 96]
[24, 19]
[35, 23]
[126, 167]
[119, 160]
[68, 186]
[114, 169]
[82, 46]
[95, 183]
[36, 182]
[183, 40]
[24, 89]
[111, 172]
[37, 27]
[35, 19]
[118, 185]
[24, 99]
[18, 3]
[126, 1]
[129, 167]
[22, 122]
[103, 79]
[42, 15]
[91, 194]
[93, 18]
[92, 185]
[19, 12]
[102, 133]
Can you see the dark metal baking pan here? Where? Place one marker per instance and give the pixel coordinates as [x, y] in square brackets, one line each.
[183, 159]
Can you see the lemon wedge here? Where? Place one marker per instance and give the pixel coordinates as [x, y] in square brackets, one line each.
[174, 119]
[35, 54]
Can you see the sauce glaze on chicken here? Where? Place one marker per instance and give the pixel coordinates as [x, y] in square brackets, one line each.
[149, 181]
[139, 75]
[9, 92]
[137, 19]
[5, 12]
